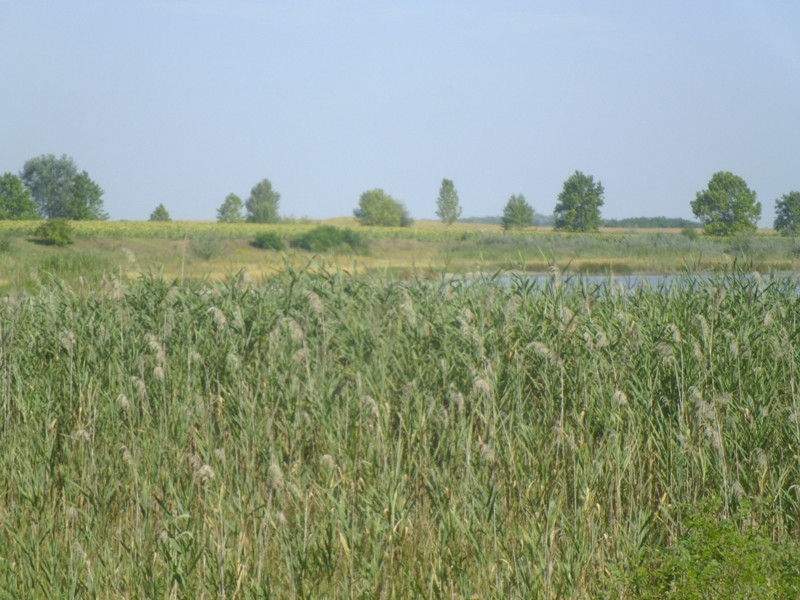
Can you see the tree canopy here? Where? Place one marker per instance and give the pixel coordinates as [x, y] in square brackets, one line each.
[787, 214]
[517, 213]
[59, 191]
[727, 206]
[230, 211]
[15, 201]
[376, 207]
[262, 205]
[447, 207]
[578, 206]
[160, 213]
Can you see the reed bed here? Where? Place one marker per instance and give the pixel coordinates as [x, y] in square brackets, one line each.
[327, 436]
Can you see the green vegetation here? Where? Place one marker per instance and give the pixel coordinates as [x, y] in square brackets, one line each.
[328, 435]
[160, 213]
[727, 206]
[15, 201]
[787, 214]
[262, 205]
[230, 211]
[60, 191]
[183, 249]
[269, 240]
[378, 209]
[517, 213]
[447, 207]
[578, 206]
[327, 238]
[720, 558]
[55, 232]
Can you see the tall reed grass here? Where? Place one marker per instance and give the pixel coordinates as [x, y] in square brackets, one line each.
[327, 436]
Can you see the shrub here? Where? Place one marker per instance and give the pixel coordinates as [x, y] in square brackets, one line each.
[720, 558]
[268, 240]
[206, 245]
[327, 237]
[690, 233]
[55, 232]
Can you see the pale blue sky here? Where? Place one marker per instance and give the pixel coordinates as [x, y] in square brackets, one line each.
[181, 102]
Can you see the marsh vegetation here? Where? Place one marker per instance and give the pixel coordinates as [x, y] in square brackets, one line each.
[322, 434]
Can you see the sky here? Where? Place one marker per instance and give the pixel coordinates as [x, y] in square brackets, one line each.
[182, 102]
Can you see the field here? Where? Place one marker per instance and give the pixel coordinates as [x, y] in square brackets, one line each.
[327, 435]
[210, 250]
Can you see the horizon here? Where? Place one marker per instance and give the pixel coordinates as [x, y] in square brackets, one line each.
[180, 102]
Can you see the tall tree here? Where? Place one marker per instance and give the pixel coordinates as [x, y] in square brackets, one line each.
[517, 213]
[447, 207]
[727, 206]
[578, 206]
[160, 213]
[787, 214]
[376, 207]
[262, 205]
[15, 200]
[60, 191]
[230, 211]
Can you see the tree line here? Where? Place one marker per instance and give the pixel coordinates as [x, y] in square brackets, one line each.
[50, 187]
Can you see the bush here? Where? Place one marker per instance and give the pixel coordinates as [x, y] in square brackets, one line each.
[206, 246]
[268, 240]
[5, 244]
[327, 237]
[690, 233]
[720, 558]
[55, 232]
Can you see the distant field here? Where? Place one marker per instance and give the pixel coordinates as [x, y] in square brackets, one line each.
[198, 249]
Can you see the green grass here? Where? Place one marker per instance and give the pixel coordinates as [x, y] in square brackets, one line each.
[324, 435]
[199, 250]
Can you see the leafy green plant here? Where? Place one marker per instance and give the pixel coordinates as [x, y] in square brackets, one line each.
[268, 240]
[206, 246]
[326, 237]
[690, 233]
[720, 557]
[55, 232]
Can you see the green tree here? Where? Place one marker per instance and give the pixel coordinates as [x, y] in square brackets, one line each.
[230, 211]
[447, 207]
[262, 205]
[376, 207]
[86, 201]
[60, 191]
[160, 214]
[517, 213]
[727, 206]
[15, 200]
[787, 214]
[578, 205]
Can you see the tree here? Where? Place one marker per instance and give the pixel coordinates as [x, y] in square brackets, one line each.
[86, 201]
[787, 214]
[447, 206]
[262, 205]
[376, 207]
[15, 201]
[517, 213]
[727, 206]
[230, 211]
[160, 214]
[58, 190]
[578, 206]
